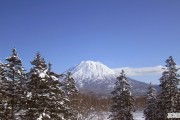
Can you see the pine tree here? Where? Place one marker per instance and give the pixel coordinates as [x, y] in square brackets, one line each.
[3, 100]
[71, 93]
[167, 100]
[36, 89]
[44, 98]
[58, 109]
[13, 86]
[149, 111]
[122, 100]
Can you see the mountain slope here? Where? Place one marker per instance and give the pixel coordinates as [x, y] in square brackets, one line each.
[97, 78]
[91, 70]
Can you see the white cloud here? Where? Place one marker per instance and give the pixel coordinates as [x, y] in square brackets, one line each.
[140, 71]
[144, 74]
[157, 70]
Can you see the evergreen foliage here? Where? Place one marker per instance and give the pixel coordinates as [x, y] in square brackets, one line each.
[36, 88]
[45, 95]
[13, 89]
[178, 102]
[36, 95]
[58, 109]
[71, 93]
[3, 101]
[168, 97]
[149, 111]
[122, 100]
[40, 95]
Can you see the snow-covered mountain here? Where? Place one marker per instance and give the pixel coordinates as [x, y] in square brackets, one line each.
[91, 70]
[97, 78]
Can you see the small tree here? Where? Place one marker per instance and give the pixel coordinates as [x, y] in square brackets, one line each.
[149, 111]
[122, 100]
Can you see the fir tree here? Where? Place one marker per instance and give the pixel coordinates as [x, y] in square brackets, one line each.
[3, 99]
[122, 100]
[44, 98]
[58, 109]
[167, 100]
[14, 91]
[36, 87]
[149, 111]
[35, 78]
[71, 93]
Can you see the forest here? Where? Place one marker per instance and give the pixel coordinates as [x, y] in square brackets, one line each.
[41, 94]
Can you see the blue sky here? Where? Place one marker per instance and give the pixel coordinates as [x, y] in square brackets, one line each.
[118, 33]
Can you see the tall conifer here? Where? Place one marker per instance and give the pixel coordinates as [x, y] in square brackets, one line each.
[122, 100]
[167, 100]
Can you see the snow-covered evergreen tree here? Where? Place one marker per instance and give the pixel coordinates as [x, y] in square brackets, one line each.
[122, 100]
[36, 91]
[44, 98]
[167, 100]
[58, 109]
[3, 100]
[149, 111]
[71, 92]
[14, 91]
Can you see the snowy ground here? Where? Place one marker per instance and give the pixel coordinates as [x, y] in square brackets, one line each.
[104, 116]
[138, 115]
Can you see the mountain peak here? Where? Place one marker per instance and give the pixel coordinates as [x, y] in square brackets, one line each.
[91, 69]
[90, 62]
[91, 76]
